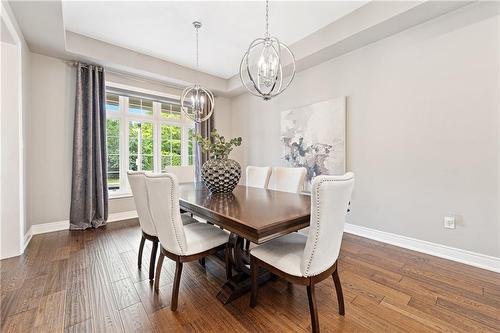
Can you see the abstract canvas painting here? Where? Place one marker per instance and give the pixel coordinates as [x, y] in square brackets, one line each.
[314, 137]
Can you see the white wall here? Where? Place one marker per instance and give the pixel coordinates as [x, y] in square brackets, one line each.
[423, 128]
[50, 138]
[14, 110]
[10, 175]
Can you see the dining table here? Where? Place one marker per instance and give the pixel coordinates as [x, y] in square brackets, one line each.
[250, 215]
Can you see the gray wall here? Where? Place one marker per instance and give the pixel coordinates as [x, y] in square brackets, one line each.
[423, 128]
[15, 58]
[50, 133]
[50, 127]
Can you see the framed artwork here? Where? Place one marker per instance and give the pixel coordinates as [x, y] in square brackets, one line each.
[314, 137]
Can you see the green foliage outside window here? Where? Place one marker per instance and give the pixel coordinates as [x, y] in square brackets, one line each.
[113, 148]
[170, 111]
[171, 138]
[190, 146]
[144, 131]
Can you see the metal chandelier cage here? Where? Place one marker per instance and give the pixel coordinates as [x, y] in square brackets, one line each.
[261, 69]
[197, 102]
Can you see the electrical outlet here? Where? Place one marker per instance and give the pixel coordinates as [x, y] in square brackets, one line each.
[449, 222]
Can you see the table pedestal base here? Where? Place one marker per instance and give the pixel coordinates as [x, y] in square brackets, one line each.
[239, 285]
[239, 259]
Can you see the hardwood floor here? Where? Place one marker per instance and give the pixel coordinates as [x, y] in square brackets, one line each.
[89, 281]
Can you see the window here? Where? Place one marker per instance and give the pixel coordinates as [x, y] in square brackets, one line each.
[145, 134]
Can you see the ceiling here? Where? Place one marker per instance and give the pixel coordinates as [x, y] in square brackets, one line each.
[164, 29]
[155, 40]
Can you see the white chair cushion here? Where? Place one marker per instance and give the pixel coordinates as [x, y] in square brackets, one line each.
[284, 253]
[201, 237]
[184, 174]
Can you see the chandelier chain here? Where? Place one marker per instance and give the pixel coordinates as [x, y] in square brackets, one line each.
[267, 18]
[197, 62]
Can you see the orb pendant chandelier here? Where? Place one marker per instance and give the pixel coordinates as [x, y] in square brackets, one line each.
[261, 69]
[197, 102]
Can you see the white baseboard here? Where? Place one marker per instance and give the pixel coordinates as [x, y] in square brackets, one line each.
[131, 214]
[27, 239]
[43, 228]
[447, 252]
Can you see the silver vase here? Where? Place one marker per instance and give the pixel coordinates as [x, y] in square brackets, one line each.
[221, 175]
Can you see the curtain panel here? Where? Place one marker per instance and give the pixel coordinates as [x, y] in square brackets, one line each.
[204, 128]
[89, 190]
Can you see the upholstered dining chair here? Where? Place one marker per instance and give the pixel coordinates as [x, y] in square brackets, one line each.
[137, 181]
[257, 176]
[179, 242]
[308, 260]
[287, 179]
[184, 174]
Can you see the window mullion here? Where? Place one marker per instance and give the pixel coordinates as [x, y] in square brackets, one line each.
[156, 137]
[123, 105]
[139, 148]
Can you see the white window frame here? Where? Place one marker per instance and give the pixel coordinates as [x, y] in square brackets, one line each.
[157, 120]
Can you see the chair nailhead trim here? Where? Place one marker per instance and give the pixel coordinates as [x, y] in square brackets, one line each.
[317, 225]
[179, 243]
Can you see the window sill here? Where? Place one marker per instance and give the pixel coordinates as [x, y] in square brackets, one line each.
[113, 196]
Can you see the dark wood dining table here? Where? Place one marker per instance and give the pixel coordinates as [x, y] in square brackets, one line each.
[250, 215]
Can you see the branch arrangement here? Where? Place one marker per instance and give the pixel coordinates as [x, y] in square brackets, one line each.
[216, 145]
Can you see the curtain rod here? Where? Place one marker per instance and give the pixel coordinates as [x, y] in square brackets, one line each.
[135, 77]
[129, 75]
[75, 63]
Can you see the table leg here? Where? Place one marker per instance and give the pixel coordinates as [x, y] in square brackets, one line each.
[239, 260]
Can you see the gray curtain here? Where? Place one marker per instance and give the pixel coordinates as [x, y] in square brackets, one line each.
[204, 128]
[89, 190]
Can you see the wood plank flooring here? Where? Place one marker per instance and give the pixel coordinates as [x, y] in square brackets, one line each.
[89, 282]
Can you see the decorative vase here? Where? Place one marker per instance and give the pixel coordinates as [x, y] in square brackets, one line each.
[221, 175]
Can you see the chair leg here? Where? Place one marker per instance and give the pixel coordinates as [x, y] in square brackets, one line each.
[152, 261]
[158, 271]
[175, 289]
[254, 269]
[202, 262]
[141, 247]
[313, 308]
[338, 289]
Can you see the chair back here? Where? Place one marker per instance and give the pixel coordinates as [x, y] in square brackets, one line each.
[258, 176]
[163, 192]
[330, 198]
[184, 174]
[137, 181]
[287, 179]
